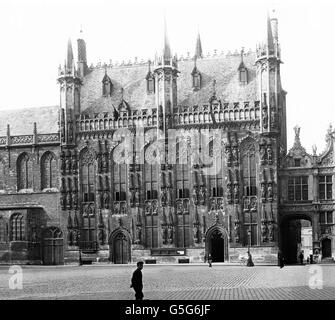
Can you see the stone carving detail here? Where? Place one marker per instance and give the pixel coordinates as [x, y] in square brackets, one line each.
[237, 230]
[269, 153]
[271, 230]
[264, 230]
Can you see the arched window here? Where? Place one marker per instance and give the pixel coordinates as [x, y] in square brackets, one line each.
[249, 174]
[87, 176]
[151, 181]
[2, 175]
[3, 230]
[150, 83]
[17, 227]
[119, 174]
[183, 170]
[48, 171]
[24, 172]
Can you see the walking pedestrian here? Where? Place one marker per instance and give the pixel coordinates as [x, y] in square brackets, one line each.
[250, 262]
[136, 281]
[301, 257]
[280, 259]
[210, 260]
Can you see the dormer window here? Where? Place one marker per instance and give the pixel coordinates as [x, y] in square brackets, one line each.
[243, 76]
[106, 85]
[150, 83]
[196, 84]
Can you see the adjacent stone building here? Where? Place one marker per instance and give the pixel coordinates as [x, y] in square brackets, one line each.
[164, 161]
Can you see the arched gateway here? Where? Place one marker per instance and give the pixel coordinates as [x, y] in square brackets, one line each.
[119, 246]
[216, 241]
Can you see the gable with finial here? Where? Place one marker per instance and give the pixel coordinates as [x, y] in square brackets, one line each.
[107, 85]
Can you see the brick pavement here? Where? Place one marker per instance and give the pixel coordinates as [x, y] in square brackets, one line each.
[170, 282]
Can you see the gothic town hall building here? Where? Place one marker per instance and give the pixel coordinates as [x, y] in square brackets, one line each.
[118, 172]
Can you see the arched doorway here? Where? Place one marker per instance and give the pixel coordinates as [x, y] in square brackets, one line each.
[217, 244]
[119, 244]
[326, 248]
[52, 252]
[296, 236]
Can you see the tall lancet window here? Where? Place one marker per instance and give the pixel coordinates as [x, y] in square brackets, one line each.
[243, 71]
[150, 81]
[107, 85]
[196, 77]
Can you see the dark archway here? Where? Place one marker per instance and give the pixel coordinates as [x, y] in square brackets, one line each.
[292, 236]
[120, 246]
[52, 252]
[217, 244]
[326, 248]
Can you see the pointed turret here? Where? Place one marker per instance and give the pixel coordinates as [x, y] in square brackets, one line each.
[269, 40]
[166, 50]
[82, 60]
[198, 48]
[69, 56]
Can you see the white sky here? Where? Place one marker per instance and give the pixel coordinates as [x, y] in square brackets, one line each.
[34, 37]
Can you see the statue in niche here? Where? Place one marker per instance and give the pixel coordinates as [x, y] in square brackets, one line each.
[196, 232]
[75, 237]
[104, 162]
[235, 156]
[63, 201]
[228, 155]
[99, 162]
[262, 154]
[237, 230]
[101, 236]
[270, 191]
[122, 208]
[116, 208]
[213, 205]
[168, 196]
[75, 200]
[265, 118]
[138, 234]
[68, 165]
[70, 237]
[70, 131]
[154, 207]
[195, 195]
[236, 192]
[164, 233]
[229, 195]
[220, 204]
[253, 204]
[63, 166]
[263, 192]
[163, 197]
[264, 230]
[106, 200]
[271, 231]
[269, 153]
[202, 195]
[68, 200]
[137, 197]
[170, 234]
[74, 164]
[148, 208]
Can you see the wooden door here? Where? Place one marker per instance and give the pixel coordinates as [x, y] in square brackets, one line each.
[52, 251]
[121, 249]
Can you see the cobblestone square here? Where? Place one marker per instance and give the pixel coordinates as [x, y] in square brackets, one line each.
[172, 282]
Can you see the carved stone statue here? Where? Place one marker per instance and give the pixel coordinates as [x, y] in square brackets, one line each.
[68, 165]
[74, 164]
[271, 230]
[138, 234]
[196, 232]
[170, 234]
[265, 118]
[164, 234]
[63, 201]
[122, 208]
[137, 197]
[101, 236]
[270, 191]
[180, 207]
[148, 208]
[262, 154]
[116, 208]
[62, 165]
[163, 197]
[104, 162]
[269, 153]
[228, 155]
[195, 195]
[263, 192]
[202, 195]
[75, 200]
[235, 156]
[229, 195]
[236, 193]
[106, 200]
[237, 230]
[264, 230]
[68, 200]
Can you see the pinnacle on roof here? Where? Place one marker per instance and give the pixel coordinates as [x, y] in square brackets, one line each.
[198, 47]
[69, 57]
[269, 40]
[167, 50]
[241, 66]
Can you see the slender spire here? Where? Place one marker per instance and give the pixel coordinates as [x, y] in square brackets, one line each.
[69, 60]
[167, 50]
[270, 42]
[198, 47]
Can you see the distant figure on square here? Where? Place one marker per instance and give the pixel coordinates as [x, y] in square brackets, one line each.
[301, 257]
[136, 281]
[249, 261]
[280, 259]
[209, 260]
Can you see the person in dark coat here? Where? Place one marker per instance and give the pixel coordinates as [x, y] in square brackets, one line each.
[280, 259]
[210, 260]
[249, 261]
[136, 281]
[301, 257]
